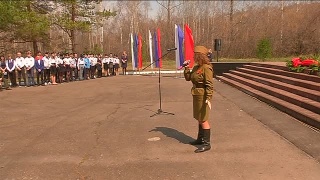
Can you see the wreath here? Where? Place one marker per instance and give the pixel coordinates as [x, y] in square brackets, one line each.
[299, 64]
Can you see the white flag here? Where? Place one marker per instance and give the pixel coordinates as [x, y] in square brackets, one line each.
[132, 52]
[176, 41]
[150, 49]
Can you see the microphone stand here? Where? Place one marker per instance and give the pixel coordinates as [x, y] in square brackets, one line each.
[160, 111]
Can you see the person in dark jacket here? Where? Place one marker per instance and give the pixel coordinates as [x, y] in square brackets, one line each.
[124, 62]
[11, 69]
[39, 67]
[4, 74]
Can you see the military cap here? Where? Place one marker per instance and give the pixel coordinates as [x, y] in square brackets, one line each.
[201, 49]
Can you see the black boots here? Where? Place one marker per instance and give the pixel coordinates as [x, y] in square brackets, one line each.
[198, 141]
[205, 142]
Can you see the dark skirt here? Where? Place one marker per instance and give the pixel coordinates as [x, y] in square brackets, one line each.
[61, 69]
[68, 68]
[105, 66]
[99, 67]
[53, 69]
[124, 65]
[110, 65]
[116, 66]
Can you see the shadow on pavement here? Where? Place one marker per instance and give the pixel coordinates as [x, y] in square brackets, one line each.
[175, 134]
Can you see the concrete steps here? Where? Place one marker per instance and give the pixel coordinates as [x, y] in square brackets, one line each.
[293, 93]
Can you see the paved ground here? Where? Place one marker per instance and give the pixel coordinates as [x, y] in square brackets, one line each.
[101, 129]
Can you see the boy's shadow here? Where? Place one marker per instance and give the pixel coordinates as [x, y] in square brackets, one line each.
[175, 134]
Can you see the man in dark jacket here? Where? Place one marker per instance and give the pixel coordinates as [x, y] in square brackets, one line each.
[39, 66]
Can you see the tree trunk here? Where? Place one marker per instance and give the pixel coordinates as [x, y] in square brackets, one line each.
[72, 31]
[281, 30]
[231, 10]
[169, 13]
[35, 47]
[34, 42]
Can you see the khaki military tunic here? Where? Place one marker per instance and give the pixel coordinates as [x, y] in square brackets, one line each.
[202, 90]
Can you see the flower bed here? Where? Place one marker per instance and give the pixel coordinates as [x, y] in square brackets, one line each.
[308, 65]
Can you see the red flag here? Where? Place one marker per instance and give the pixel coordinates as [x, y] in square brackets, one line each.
[159, 48]
[139, 52]
[188, 45]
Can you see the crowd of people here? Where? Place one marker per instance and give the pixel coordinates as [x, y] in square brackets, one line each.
[57, 68]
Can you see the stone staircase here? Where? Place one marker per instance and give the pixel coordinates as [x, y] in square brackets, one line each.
[296, 94]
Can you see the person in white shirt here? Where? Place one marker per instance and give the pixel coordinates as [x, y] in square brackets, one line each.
[47, 64]
[29, 60]
[53, 67]
[116, 65]
[105, 62]
[67, 61]
[61, 69]
[93, 62]
[11, 66]
[73, 66]
[80, 67]
[111, 64]
[21, 68]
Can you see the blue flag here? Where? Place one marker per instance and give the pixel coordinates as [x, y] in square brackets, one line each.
[180, 37]
[135, 45]
[156, 53]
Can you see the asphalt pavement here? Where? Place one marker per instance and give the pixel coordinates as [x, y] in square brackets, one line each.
[102, 129]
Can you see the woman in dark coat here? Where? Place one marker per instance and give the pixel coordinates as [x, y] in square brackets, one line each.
[124, 62]
[201, 77]
[99, 66]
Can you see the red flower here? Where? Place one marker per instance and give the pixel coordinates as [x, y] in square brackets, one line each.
[296, 62]
[309, 62]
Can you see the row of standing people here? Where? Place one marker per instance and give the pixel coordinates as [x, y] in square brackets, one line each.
[57, 68]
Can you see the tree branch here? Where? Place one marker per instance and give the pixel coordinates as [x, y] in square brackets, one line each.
[176, 6]
[21, 41]
[162, 5]
[61, 27]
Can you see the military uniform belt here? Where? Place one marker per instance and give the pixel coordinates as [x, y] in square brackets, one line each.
[198, 85]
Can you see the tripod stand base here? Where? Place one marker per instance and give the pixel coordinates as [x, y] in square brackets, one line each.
[161, 112]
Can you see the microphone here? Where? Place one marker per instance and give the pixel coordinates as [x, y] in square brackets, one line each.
[171, 49]
[186, 63]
